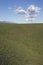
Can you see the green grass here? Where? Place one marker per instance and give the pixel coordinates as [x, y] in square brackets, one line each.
[21, 44]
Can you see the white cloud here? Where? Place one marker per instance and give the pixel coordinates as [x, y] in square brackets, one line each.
[20, 10]
[34, 8]
[31, 12]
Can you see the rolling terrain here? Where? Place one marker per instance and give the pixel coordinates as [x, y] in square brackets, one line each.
[21, 44]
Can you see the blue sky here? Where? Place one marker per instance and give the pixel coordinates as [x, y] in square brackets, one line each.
[9, 10]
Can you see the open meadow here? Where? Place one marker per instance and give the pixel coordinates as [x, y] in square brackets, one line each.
[21, 44]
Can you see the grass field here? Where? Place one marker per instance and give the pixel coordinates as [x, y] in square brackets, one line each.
[21, 44]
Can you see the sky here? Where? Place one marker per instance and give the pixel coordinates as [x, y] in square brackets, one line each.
[21, 11]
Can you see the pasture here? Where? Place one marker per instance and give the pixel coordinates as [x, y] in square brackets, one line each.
[21, 44]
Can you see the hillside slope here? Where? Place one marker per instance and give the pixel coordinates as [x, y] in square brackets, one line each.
[21, 44]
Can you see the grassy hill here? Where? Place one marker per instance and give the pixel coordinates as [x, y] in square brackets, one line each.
[21, 44]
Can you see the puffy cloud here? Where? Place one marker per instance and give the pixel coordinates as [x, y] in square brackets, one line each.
[19, 10]
[34, 8]
[31, 12]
